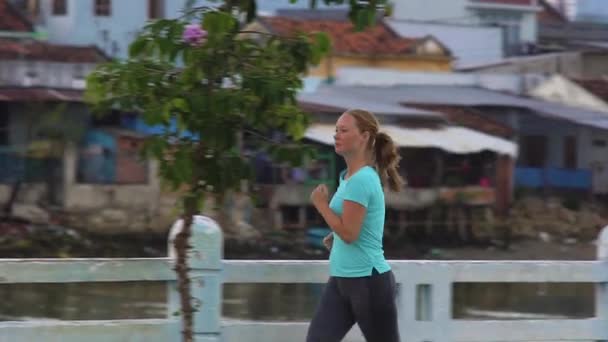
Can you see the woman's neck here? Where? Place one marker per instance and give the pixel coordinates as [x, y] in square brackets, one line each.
[354, 163]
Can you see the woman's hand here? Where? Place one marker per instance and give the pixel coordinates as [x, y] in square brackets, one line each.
[328, 241]
[319, 196]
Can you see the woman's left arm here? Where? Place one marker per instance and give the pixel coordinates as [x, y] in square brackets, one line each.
[348, 226]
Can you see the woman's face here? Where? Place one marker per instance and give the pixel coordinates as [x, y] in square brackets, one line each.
[348, 138]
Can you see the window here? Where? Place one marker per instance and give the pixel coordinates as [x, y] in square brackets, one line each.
[31, 75]
[512, 38]
[570, 155]
[534, 150]
[31, 7]
[60, 7]
[78, 78]
[103, 8]
[511, 27]
[78, 72]
[156, 9]
[599, 143]
[4, 129]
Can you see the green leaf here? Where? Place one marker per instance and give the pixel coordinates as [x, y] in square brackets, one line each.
[218, 23]
[370, 17]
[360, 16]
[138, 46]
[165, 47]
[180, 123]
[323, 42]
[181, 105]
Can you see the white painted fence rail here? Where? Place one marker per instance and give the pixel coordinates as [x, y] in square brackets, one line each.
[425, 296]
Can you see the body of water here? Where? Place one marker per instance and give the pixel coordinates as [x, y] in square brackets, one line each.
[278, 302]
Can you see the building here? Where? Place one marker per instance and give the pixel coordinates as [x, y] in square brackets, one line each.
[378, 46]
[578, 63]
[566, 138]
[63, 157]
[452, 159]
[470, 45]
[517, 18]
[583, 10]
[582, 93]
[110, 25]
[573, 49]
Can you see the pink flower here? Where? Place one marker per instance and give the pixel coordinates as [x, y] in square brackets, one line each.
[194, 35]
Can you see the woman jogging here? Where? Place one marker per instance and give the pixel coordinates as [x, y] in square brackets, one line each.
[361, 288]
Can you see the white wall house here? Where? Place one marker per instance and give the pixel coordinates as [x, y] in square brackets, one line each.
[113, 24]
[517, 18]
[110, 24]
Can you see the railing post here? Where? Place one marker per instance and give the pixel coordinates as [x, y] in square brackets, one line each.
[406, 307]
[601, 289]
[425, 307]
[441, 308]
[205, 262]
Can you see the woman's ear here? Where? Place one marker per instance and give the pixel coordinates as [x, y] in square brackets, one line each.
[366, 137]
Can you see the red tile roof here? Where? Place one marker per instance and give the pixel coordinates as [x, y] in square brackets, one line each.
[471, 118]
[509, 2]
[35, 50]
[597, 87]
[12, 20]
[376, 40]
[15, 94]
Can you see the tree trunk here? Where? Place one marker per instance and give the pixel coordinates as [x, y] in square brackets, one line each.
[182, 246]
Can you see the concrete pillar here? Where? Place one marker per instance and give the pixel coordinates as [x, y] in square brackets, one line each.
[601, 289]
[205, 263]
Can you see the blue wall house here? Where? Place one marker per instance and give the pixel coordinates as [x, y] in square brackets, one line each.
[41, 89]
[559, 145]
[66, 158]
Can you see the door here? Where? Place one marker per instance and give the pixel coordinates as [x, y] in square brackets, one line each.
[599, 164]
[570, 155]
[534, 150]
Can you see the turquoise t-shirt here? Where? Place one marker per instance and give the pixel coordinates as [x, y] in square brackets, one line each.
[360, 257]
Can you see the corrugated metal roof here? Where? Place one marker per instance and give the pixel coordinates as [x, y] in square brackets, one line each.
[40, 94]
[508, 2]
[470, 96]
[452, 139]
[42, 51]
[340, 99]
[473, 119]
[593, 43]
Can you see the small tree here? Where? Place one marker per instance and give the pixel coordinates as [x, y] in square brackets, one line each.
[203, 75]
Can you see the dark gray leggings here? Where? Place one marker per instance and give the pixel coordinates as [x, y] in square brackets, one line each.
[367, 301]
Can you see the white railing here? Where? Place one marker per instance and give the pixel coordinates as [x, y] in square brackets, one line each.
[424, 301]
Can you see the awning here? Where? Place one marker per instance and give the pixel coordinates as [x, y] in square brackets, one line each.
[451, 139]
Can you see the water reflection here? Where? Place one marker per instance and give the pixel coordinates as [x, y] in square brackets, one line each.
[83, 301]
[282, 302]
[523, 300]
